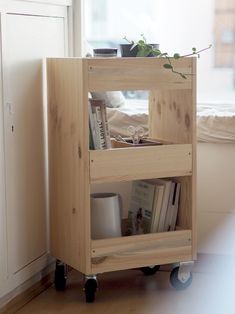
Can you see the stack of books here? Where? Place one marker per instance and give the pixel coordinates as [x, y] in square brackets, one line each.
[98, 125]
[153, 206]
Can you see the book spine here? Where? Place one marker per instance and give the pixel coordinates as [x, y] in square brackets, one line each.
[100, 125]
[170, 207]
[106, 126]
[91, 141]
[176, 207]
[164, 207]
[158, 197]
[93, 137]
[97, 138]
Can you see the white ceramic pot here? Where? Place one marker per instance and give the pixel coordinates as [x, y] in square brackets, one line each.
[105, 215]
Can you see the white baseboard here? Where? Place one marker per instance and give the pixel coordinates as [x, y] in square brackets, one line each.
[27, 283]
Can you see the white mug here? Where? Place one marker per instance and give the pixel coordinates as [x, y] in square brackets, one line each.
[105, 215]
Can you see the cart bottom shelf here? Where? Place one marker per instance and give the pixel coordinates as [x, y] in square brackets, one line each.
[140, 250]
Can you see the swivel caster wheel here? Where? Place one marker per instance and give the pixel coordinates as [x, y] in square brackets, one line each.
[180, 280]
[150, 270]
[90, 289]
[60, 276]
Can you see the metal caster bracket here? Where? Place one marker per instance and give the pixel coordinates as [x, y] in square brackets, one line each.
[185, 269]
[87, 277]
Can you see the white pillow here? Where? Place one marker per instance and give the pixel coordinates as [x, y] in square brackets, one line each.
[113, 99]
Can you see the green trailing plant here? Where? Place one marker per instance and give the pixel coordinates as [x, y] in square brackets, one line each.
[145, 49]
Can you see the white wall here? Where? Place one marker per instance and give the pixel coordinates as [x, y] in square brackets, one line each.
[216, 198]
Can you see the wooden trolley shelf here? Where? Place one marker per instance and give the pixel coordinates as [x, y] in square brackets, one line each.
[136, 74]
[140, 250]
[125, 164]
[73, 168]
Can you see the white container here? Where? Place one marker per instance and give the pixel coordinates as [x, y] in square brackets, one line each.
[105, 215]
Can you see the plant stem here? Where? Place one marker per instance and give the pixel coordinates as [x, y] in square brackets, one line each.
[196, 52]
[183, 75]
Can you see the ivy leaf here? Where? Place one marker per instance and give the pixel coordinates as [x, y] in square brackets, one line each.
[167, 66]
[176, 56]
[156, 52]
[142, 52]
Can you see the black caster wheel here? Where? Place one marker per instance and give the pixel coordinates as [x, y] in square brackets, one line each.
[60, 276]
[90, 290]
[148, 271]
[180, 282]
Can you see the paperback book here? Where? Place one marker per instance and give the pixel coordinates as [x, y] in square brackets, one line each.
[98, 124]
[140, 209]
[153, 206]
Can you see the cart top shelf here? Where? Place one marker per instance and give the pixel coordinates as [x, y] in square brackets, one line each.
[102, 74]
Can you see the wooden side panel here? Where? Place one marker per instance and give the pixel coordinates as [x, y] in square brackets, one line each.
[137, 73]
[172, 117]
[140, 163]
[68, 163]
[142, 250]
[194, 156]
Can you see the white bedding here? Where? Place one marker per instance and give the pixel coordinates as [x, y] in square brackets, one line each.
[215, 122]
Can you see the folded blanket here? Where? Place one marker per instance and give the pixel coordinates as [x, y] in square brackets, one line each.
[215, 122]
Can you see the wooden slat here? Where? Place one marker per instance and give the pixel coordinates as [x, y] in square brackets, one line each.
[106, 247]
[140, 163]
[141, 250]
[68, 163]
[137, 73]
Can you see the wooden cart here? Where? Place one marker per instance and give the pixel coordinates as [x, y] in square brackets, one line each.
[73, 168]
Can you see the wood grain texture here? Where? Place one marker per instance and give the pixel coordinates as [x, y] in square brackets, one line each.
[194, 159]
[136, 73]
[172, 117]
[142, 250]
[68, 163]
[105, 247]
[140, 163]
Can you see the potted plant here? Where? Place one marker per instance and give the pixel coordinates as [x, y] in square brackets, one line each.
[138, 49]
[141, 48]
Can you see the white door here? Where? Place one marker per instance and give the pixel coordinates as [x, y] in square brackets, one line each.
[26, 40]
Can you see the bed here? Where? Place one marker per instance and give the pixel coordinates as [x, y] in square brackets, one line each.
[215, 168]
[215, 123]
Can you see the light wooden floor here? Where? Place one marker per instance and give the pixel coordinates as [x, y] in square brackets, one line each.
[129, 292]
